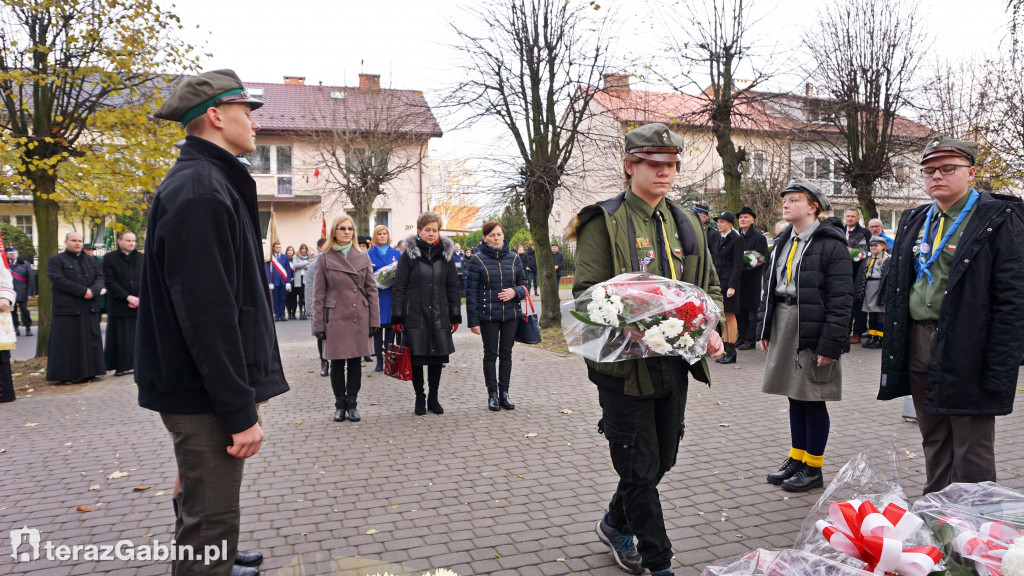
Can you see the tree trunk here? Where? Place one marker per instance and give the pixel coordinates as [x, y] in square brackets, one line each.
[46, 211]
[721, 125]
[364, 212]
[537, 214]
[866, 197]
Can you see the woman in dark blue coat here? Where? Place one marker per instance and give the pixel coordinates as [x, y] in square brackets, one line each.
[381, 255]
[496, 278]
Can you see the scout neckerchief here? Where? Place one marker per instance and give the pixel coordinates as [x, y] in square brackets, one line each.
[924, 262]
[666, 255]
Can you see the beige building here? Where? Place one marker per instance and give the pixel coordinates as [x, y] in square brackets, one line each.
[783, 135]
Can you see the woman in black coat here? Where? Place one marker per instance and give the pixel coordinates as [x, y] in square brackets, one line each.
[803, 326]
[426, 305]
[122, 272]
[497, 284]
[730, 269]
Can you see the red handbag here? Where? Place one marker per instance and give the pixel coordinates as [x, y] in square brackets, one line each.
[398, 360]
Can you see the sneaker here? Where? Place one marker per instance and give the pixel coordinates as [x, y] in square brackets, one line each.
[622, 546]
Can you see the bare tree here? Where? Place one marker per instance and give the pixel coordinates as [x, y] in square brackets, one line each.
[716, 42]
[531, 71]
[364, 139]
[865, 54]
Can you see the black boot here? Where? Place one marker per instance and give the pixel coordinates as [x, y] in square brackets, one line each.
[350, 404]
[432, 404]
[421, 399]
[730, 354]
[28, 331]
[325, 368]
[504, 400]
[492, 400]
[805, 479]
[339, 410]
[788, 469]
[746, 345]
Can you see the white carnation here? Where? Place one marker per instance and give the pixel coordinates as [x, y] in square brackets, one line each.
[657, 342]
[672, 327]
[685, 341]
[598, 293]
[1013, 560]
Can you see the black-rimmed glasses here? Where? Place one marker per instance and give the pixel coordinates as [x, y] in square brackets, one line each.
[945, 169]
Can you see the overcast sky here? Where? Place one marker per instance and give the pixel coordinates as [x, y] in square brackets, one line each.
[408, 42]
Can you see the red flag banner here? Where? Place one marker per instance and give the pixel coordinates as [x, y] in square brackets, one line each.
[323, 227]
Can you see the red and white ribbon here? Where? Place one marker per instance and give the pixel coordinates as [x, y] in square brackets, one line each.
[863, 532]
[986, 545]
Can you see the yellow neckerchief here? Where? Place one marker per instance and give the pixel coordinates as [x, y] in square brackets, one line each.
[789, 260]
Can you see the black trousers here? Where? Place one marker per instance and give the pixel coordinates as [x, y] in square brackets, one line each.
[346, 380]
[292, 301]
[6, 377]
[211, 480]
[26, 319]
[381, 340]
[956, 448]
[746, 325]
[499, 337]
[643, 438]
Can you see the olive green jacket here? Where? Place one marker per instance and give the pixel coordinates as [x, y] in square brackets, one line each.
[603, 252]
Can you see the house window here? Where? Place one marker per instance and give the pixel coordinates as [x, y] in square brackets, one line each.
[753, 167]
[259, 159]
[284, 159]
[284, 186]
[23, 223]
[822, 169]
[359, 157]
[382, 218]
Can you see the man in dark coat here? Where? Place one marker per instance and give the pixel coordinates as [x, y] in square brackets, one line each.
[122, 272]
[207, 353]
[21, 272]
[531, 270]
[857, 237]
[76, 346]
[954, 323]
[750, 279]
[559, 260]
[710, 231]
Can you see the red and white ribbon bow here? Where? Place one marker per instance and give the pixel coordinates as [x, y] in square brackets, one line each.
[986, 545]
[863, 532]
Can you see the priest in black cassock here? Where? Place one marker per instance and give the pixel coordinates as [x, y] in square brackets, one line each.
[122, 271]
[76, 347]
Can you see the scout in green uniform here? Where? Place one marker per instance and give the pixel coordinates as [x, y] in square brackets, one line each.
[643, 401]
[954, 330]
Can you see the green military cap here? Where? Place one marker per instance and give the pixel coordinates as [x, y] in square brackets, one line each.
[193, 97]
[945, 146]
[802, 185]
[654, 142]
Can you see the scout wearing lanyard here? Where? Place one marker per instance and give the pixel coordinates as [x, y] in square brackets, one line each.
[924, 262]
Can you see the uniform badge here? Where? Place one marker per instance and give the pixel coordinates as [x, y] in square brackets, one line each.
[925, 248]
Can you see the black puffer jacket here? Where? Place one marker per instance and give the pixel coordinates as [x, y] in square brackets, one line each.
[489, 271]
[824, 292]
[977, 348]
[426, 296]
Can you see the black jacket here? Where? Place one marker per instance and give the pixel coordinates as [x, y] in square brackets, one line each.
[530, 260]
[824, 292]
[858, 238]
[122, 274]
[205, 339]
[714, 243]
[730, 261]
[558, 259]
[426, 297]
[22, 268]
[70, 276]
[488, 272]
[980, 338]
[751, 280]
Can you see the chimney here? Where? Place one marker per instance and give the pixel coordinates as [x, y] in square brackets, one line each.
[809, 90]
[616, 82]
[369, 81]
[300, 80]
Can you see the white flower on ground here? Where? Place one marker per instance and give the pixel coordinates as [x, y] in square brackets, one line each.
[657, 342]
[672, 327]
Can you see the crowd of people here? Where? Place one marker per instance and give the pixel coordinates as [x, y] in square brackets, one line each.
[941, 300]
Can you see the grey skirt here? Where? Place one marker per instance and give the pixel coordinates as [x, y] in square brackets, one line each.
[793, 375]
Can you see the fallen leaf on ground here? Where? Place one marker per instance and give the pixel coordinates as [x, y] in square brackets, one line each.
[529, 435]
[718, 403]
[160, 493]
[16, 374]
[371, 532]
[374, 403]
[724, 425]
[94, 487]
[31, 424]
[84, 509]
[566, 411]
[116, 475]
[300, 422]
[141, 488]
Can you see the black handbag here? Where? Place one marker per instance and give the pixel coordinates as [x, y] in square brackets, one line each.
[528, 331]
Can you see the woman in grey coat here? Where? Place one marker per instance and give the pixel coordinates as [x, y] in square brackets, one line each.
[300, 265]
[803, 327]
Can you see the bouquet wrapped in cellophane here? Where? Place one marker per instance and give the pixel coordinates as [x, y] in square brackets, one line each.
[638, 315]
[385, 275]
[752, 259]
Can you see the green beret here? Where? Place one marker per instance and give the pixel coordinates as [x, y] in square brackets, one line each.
[654, 142]
[196, 94]
[945, 146]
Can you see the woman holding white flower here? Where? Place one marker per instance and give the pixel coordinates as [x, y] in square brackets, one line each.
[803, 325]
[381, 255]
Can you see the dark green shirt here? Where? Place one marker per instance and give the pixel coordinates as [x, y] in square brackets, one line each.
[648, 248]
[925, 300]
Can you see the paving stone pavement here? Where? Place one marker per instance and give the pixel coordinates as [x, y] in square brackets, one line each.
[513, 492]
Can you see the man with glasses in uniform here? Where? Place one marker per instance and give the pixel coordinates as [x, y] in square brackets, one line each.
[954, 330]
